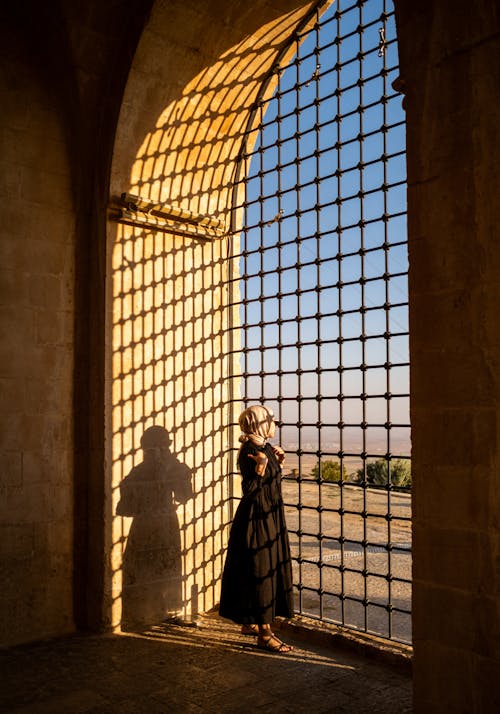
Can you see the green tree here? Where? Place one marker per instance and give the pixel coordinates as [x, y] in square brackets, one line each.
[401, 472]
[376, 473]
[330, 471]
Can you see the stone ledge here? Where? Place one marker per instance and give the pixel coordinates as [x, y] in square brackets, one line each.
[395, 654]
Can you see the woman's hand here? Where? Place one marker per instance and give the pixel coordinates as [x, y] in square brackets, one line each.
[279, 453]
[260, 462]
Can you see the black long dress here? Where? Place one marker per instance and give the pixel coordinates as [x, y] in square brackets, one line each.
[257, 579]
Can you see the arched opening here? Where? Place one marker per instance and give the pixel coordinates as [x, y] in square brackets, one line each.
[171, 325]
[300, 145]
[313, 278]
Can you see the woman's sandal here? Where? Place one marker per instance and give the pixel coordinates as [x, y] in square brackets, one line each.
[250, 630]
[279, 647]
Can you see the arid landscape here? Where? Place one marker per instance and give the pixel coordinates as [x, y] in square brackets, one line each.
[324, 557]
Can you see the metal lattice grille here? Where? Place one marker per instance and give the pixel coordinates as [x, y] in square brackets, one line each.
[324, 309]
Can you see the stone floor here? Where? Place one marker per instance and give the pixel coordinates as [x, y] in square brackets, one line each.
[210, 669]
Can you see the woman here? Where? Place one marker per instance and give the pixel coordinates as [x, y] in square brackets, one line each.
[257, 579]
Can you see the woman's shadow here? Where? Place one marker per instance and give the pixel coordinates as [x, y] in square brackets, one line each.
[152, 565]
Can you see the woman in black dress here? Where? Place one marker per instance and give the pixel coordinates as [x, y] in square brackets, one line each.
[257, 579]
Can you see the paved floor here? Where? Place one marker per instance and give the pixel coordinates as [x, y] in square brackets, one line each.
[209, 669]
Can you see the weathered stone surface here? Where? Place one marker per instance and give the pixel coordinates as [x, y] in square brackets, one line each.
[37, 353]
[209, 669]
[453, 112]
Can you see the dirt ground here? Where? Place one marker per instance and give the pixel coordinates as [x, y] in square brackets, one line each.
[325, 556]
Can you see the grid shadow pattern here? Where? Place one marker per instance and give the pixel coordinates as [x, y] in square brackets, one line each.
[169, 426]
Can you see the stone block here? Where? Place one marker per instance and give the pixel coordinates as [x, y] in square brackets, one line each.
[448, 685]
[449, 496]
[453, 558]
[49, 396]
[47, 466]
[47, 291]
[26, 505]
[456, 437]
[48, 189]
[11, 182]
[17, 542]
[51, 603]
[53, 327]
[33, 250]
[53, 361]
[43, 432]
[455, 619]
[18, 327]
[55, 537]
[14, 288]
[9, 389]
[465, 382]
[486, 695]
[12, 434]
[32, 149]
[488, 319]
[60, 506]
[11, 474]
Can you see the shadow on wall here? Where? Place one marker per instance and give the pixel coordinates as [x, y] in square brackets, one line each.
[152, 566]
[175, 306]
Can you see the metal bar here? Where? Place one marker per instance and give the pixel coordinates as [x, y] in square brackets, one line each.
[155, 224]
[135, 204]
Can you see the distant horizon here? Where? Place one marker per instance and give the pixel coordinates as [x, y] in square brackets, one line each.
[400, 448]
[372, 445]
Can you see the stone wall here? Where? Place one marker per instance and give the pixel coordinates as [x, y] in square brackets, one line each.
[37, 227]
[61, 88]
[450, 73]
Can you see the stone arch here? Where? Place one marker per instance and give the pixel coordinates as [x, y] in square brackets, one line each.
[189, 96]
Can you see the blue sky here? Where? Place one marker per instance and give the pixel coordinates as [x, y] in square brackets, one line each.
[338, 148]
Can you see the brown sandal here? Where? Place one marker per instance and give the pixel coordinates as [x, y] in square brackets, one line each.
[250, 630]
[280, 647]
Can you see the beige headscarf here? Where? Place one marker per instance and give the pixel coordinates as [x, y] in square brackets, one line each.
[255, 423]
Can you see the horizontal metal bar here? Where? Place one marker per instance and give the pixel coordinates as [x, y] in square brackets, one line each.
[153, 223]
[134, 204]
